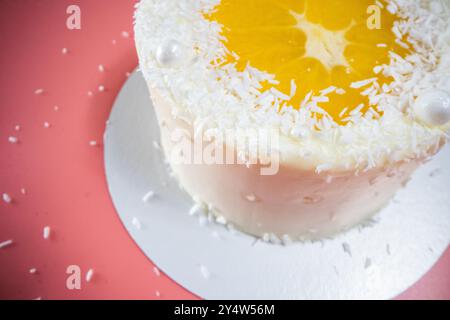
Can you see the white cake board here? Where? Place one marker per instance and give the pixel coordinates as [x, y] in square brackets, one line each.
[379, 262]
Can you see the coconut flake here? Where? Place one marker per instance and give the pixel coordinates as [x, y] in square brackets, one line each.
[46, 232]
[7, 198]
[156, 271]
[148, 196]
[5, 244]
[13, 140]
[205, 272]
[363, 83]
[347, 249]
[89, 275]
[136, 223]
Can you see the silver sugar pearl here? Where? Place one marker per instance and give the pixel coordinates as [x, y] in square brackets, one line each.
[173, 54]
[433, 107]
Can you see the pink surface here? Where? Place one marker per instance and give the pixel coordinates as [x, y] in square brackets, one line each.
[64, 175]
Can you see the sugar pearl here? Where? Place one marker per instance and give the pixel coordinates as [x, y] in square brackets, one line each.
[433, 107]
[173, 54]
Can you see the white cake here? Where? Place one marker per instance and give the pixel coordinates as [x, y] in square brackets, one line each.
[325, 177]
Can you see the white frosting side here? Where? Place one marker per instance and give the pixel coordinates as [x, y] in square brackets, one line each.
[221, 97]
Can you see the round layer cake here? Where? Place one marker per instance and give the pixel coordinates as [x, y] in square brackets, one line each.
[296, 119]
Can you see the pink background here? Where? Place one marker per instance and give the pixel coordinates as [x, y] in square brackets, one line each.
[63, 175]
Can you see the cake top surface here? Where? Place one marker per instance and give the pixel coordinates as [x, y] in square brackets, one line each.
[341, 82]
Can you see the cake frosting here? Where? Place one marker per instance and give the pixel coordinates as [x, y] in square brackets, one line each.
[330, 177]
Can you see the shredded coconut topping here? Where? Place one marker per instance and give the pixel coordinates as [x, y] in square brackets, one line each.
[216, 94]
[148, 196]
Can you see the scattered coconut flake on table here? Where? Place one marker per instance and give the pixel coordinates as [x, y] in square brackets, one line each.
[46, 232]
[13, 140]
[136, 223]
[89, 275]
[7, 198]
[156, 271]
[5, 244]
[148, 196]
[205, 272]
